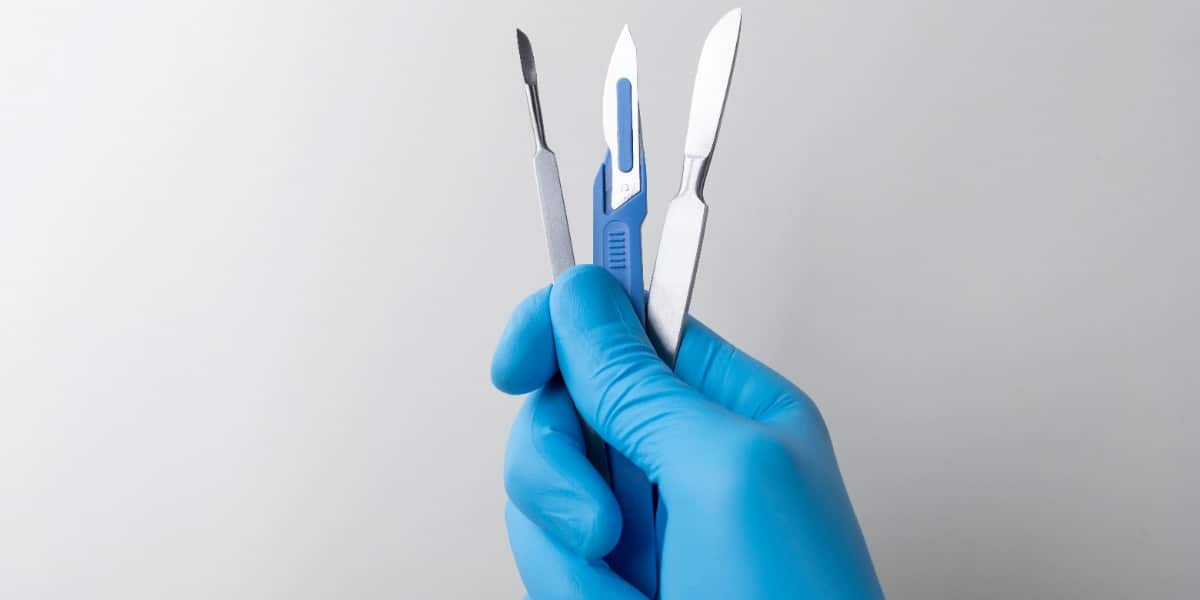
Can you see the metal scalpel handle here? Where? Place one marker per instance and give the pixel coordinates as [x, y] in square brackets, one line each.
[545, 170]
[675, 273]
[554, 214]
[554, 218]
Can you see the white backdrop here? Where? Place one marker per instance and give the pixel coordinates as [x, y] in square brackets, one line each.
[254, 256]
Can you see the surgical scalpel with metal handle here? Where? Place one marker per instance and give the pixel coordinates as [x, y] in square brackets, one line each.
[554, 217]
[683, 230]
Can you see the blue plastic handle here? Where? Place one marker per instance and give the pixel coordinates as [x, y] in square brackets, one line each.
[617, 246]
[617, 235]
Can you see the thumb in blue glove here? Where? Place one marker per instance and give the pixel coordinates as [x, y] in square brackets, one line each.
[755, 504]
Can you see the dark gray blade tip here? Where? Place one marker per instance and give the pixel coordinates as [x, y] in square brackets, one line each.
[526, 52]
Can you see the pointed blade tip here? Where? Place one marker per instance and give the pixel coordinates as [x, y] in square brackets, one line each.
[624, 54]
[625, 39]
[711, 88]
[622, 63]
[732, 18]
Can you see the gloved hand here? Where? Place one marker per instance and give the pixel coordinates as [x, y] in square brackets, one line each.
[756, 507]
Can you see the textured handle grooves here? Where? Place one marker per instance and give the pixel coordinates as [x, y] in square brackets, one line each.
[616, 247]
[617, 236]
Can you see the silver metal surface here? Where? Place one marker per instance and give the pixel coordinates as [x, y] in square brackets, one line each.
[674, 274]
[554, 212]
[622, 65]
[683, 230]
[545, 170]
[712, 84]
[554, 220]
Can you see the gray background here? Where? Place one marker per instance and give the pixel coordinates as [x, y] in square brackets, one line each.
[254, 257]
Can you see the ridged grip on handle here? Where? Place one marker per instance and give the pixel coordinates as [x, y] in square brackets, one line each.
[617, 235]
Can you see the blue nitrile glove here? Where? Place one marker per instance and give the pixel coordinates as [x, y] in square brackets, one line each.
[743, 462]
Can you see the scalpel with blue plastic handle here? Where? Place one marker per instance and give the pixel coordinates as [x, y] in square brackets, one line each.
[618, 209]
[619, 194]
